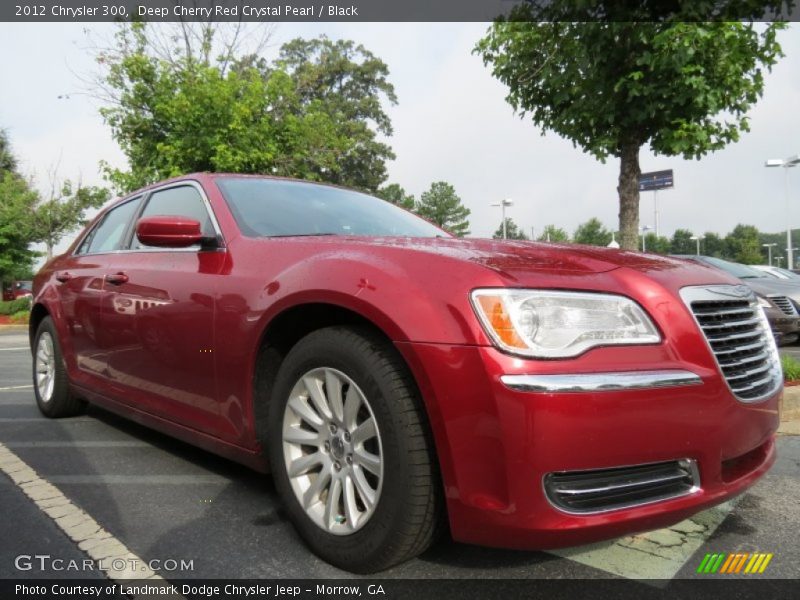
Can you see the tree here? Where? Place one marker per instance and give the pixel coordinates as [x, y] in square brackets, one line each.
[592, 232]
[64, 210]
[442, 206]
[658, 244]
[348, 83]
[8, 161]
[743, 245]
[712, 245]
[552, 233]
[176, 111]
[591, 73]
[396, 195]
[513, 232]
[682, 242]
[17, 202]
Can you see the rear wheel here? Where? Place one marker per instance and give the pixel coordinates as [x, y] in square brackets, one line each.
[50, 383]
[350, 451]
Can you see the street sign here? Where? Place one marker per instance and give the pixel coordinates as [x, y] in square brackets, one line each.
[655, 180]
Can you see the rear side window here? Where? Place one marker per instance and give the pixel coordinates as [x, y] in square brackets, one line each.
[109, 233]
[181, 201]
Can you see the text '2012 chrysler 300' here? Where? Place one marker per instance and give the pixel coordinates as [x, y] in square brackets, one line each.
[391, 376]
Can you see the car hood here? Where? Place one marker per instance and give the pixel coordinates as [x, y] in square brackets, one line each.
[509, 257]
[773, 287]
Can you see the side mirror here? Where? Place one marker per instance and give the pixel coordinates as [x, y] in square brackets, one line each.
[168, 232]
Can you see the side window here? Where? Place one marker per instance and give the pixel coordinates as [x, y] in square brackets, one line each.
[181, 201]
[107, 235]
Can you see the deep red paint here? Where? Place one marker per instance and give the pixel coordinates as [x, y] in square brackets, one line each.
[168, 232]
[186, 365]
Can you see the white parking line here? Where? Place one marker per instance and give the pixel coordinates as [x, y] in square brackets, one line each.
[13, 349]
[656, 554]
[46, 420]
[138, 479]
[78, 444]
[16, 387]
[113, 556]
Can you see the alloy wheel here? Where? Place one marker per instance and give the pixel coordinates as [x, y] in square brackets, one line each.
[332, 451]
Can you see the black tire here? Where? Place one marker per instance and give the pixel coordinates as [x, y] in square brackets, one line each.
[61, 402]
[408, 513]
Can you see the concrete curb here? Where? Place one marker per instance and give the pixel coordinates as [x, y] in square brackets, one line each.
[13, 327]
[790, 411]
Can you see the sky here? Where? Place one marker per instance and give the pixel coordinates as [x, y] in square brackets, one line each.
[451, 123]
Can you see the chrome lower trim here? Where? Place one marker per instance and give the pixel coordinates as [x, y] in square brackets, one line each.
[687, 463]
[601, 382]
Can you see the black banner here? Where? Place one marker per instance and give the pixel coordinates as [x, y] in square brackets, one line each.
[84, 11]
[718, 588]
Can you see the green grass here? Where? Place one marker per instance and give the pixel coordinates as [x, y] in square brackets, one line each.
[791, 368]
[13, 307]
[20, 317]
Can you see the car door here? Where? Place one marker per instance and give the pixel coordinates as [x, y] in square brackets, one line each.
[81, 291]
[162, 299]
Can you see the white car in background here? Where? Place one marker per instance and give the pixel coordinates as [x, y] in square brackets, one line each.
[777, 272]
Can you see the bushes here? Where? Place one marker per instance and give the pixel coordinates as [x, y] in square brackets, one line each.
[791, 368]
[12, 307]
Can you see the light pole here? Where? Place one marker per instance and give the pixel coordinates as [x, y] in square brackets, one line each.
[697, 239]
[645, 229]
[769, 248]
[502, 204]
[786, 163]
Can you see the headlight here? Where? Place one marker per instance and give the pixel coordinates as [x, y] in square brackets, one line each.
[553, 324]
[763, 302]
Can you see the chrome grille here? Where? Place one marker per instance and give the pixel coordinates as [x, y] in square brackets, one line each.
[739, 336]
[602, 490]
[784, 304]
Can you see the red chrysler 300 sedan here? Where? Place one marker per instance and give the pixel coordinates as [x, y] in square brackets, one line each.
[391, 376]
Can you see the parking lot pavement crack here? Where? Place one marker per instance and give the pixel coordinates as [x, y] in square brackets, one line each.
[116, 561]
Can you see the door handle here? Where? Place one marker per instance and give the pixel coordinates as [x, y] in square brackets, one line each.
[116, 278]
[64, 276]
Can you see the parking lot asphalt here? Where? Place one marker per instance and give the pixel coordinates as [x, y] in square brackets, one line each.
[165, 500]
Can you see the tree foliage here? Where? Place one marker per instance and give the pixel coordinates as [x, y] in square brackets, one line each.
[348, 83]
[310, 115]
[658, 244]
[591, 73]
[712, 244]
[442, 206]
[513, 231]
[64, 211]
[743, 245]
[592, 232]
[17, 203]
[551, 233]
[395, 194]
[682, 242]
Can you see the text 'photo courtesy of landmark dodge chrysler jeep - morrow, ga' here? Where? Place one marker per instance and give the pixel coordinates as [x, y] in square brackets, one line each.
[391, 376]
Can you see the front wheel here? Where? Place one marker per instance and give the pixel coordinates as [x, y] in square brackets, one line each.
[350, 451]
[50, 383]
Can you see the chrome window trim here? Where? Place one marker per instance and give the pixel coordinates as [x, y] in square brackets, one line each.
[601, 382]
[705, 293]
[145, 196]
[133, 197]
[690, 464]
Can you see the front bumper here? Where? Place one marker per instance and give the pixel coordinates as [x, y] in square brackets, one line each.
[496, 444]
[785, 329]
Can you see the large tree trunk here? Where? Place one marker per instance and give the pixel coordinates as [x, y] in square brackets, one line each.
[628, 190]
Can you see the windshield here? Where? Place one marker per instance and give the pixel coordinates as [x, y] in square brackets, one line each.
[275, 208]
[735, 269]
